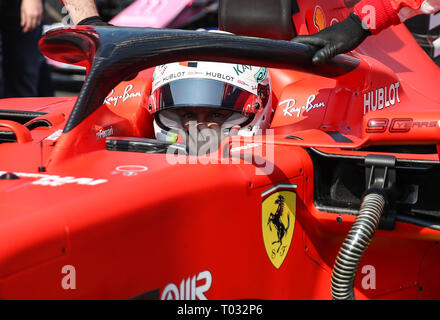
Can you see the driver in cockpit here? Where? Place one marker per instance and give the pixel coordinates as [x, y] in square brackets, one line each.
[199, 103]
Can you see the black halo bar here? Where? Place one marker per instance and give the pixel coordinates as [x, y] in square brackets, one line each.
[121, 52]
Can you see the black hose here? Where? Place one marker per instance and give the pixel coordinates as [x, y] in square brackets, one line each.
[354, 246]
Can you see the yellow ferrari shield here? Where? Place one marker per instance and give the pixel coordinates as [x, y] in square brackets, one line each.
[319, 18]
[278, 221]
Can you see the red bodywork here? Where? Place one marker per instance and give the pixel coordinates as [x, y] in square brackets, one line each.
[117, 224]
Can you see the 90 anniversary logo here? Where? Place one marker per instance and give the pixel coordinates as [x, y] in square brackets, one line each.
[278, 222]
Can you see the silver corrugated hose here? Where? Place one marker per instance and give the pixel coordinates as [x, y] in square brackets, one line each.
[354, 246]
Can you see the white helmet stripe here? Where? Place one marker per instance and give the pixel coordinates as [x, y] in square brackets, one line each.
[243, 76]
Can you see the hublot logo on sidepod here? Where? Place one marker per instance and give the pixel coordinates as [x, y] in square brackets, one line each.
[382, 97]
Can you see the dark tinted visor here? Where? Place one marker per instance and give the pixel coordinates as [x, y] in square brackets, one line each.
[201, 93]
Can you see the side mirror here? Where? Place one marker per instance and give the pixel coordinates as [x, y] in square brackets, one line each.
[75, 46]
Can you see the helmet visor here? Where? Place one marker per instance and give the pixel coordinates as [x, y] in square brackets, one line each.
[206, 93]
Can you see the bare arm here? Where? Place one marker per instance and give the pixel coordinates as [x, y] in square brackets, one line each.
[31, 14]
[81, 9]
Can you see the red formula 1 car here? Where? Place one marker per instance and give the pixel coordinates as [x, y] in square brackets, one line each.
[338, 200]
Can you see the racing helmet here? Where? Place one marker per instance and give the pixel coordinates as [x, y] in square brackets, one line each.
[243, 89]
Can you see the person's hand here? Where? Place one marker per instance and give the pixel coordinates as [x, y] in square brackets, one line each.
[339, 38]
[31, 14]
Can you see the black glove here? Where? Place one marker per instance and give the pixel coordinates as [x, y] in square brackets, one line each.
[93, 21]
[339, 38]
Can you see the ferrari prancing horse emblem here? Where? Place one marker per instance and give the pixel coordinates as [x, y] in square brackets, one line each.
[278, 222]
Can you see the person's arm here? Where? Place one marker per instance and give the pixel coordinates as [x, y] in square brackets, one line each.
[84, 12]
[339, 38]
[31, 13]
[369, 17]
